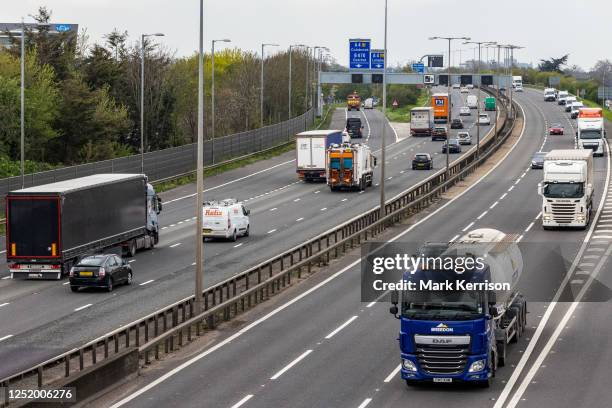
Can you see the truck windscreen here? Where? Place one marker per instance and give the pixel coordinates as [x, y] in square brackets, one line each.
[563, 190]
[590, 134]
[446, 305]
[33, 227]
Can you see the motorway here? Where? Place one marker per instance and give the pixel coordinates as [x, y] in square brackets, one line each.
[41, 319]
[326, 348]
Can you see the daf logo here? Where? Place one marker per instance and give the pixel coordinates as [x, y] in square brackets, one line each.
[442, 341]
[442, 328]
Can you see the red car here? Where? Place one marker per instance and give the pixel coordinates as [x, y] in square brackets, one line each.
[556, 129]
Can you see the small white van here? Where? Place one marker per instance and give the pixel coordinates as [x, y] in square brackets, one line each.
[472, 101]
[368, 104]
[225, 219]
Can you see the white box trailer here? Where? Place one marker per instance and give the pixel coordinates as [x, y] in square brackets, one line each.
[421, 121]
[310, 150]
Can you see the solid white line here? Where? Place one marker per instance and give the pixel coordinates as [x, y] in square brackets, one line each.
[66, 283]
[296, 299]
[3, 251]
[238, 245]
[291, 364]
[231, 182]
[147, 282]
[468, 226]
[594, 237]
[393, 373]
[175, 245]
[271, 231]
[365, 403]
[82, 307]
[342, 326]
[242, 401]
[4, 304]
[6, 337]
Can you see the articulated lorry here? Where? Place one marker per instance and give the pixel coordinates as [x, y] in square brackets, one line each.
[591, 131]
[49, 227]
[350, 166]
[441, 105]
[421, 121]
[567, 188]
[310, 147]
[461, 332]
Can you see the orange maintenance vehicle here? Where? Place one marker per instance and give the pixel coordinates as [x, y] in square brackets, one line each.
[353, 101]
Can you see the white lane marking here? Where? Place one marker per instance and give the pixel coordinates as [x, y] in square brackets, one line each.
[193, 264]
[175, 245]
[503, 196]
[173, 225]
[296, 200]
[239, 245]
[4, 304]
[365, 403]
[393, 373]
[317, 192]
[539, 215]
[482, 215]
[273, 209]
[299, 219]
[529, 227]
[371, 304]
[147, 282]
[576, 282]
[520, 238]
[595, 237]
[187, 220]
[599, 231]
[164, 228]
[494, 205]
[291, 364]
[324, 209]
[296, 299]
[3, 251]
[511, 188]
[232, 181]
[454, 238]
[82, 307]
[342, 326]
[131, 260]
[344, 199]
[7, 277]
[65, 283]
[179, 223]
[242, 401]
[272, 231]
[468, 226]
[6, 337]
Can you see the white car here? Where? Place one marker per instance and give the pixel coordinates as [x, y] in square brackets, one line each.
[456, 86]
[464, 90]
[464, 138]
[368, 104]
[483, 119]
[465, 111]
[470, 86]
[225, 219]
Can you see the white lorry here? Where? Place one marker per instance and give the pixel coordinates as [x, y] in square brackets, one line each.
[226, 219]
[310, 150]
[591, 132]
[561, 96]
[472, 101]
[350, 166]
[567, 188]
[517, 83]
[550, 94]
[421, 121]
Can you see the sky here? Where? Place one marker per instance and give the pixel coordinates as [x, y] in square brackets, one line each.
[546, 28]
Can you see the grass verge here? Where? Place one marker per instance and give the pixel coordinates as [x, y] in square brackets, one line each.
[402, 114]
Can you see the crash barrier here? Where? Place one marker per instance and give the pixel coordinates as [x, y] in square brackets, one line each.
[167, 330]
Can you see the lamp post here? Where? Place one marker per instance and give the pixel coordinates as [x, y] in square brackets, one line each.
[212, 99]
[319, 60]
[199, 266]
[261, 95]
[383, 143]
[511, 49]
[448, 83]
[479, 43]
[291, 47]
[142, 62]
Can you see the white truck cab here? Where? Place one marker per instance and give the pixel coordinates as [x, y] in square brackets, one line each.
[561, 96]
[226, 219]
[591, 132]
[567, 188]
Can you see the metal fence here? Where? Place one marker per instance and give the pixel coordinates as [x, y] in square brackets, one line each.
[175, 161]
[169, 329]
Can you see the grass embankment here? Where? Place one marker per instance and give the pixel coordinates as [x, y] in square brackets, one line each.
[402, 114]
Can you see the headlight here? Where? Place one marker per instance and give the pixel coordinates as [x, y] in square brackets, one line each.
[477, 365]
[547, 217]
[533, 162]
[580, 217]
[408, 365]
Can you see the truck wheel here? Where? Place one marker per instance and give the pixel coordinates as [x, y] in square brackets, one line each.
[156, 238]
[131, 248]
[515, 312]
[109, 288]
[501, 353]
[74, 288]
[361, 184]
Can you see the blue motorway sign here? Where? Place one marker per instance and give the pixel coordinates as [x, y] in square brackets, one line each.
[418, 67]
[377, 59]
[62, 27]
[359, 54]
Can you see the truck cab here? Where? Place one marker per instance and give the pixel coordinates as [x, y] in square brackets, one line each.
[591, 130]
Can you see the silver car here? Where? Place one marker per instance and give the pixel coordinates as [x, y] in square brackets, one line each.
[464, 138]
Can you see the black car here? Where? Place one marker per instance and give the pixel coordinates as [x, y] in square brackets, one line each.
[101, 271]
[456, 124]
[439, 132]
[453, 146]
[537, 162]
[353, 127]
[422, 161]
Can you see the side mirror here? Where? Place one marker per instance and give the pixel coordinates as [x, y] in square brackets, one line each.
[375, 161]
[540, 189]
[248, 212]
[159, 204]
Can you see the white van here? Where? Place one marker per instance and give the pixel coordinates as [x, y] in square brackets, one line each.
[225, 219]
[472, 101]
[368, 104]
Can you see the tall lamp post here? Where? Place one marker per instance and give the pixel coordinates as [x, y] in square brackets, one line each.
[448, 83]
[291, 47]
[383, 143]
[479, 43]
[261, 94]
[142, 76]
[199, 261]
[212, 99]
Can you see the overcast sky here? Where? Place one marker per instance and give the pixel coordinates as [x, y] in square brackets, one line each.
[545, 27]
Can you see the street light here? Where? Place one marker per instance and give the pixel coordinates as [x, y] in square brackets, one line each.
[142, 58]
[212, 91]
[383, 145]
[448, 83]
[479, 43]
[318, 61]
[261, 96]
[511, 49]
[290, 50]
[199, 266]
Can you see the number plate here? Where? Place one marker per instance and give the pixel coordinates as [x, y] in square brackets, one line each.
[442, 380]
[207, 230]
[85, 273]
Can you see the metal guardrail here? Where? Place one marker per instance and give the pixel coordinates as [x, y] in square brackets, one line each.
[175, 161]
[165, 330]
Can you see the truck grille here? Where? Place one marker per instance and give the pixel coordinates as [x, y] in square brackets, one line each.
[563, 213]
[442, 359]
